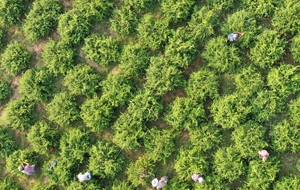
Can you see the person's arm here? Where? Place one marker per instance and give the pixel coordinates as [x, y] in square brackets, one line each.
[25, 163]
[241, 34]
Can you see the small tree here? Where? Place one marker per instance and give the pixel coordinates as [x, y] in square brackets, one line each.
[7, 144]
[4, 91]
[177, 10]
[15, 58]
[12, 11]
[295, 48]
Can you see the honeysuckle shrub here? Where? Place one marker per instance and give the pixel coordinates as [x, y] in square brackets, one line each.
[42, 18]
[268, 49]
[212, 181]
[260, 8]
[120, 185]
[124, 20]
[84, 186]
[7, 144]
[203, 84]
[36, 84]
[82, 80]
[59, 57]
[181, 48]
[63, 109]
[42, 136]
[135, 58]
[162, 76]
[202, 23]
[285, 137]
[139, 5]
[176, 10]
[245, 22]
[106, 160]
[15, 58]
[294, 111]
[20, 113]
[8, 183]
[153, 32]
[221, 56]
[1, 37]
[12, 11]
[4, 91]
[287, 182]
[175, 183]
[295, 48]
[103, 50]
[222, 4]
[185, 113]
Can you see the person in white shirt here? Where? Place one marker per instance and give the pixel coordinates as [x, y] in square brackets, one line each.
[198, 178]
[83, 177]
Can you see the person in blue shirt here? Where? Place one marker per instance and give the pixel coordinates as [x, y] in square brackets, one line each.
[234, 36]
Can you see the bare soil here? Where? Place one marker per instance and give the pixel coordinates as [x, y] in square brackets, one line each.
[15, 87]
[37, 49]
[90, 62]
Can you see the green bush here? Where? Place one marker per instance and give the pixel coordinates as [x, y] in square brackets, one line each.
[103, 50]
[268, 49]
[221, 56]
[228, 163]
[153, 32]
[8, 183]
[58, 57]
[124, 20]
[176, 10]
[15, 58]
[294, 111]
[230, 111]
[175, 183]
[261, 174]
[159, 144]
[12, 11]
[189, 161]
[185, 113]
[91, 185]
[203, 84]
[97, 113]
[285, 137]
[42, 18]
[181, 48]
[213, 181]
[1, 38]
[206, 137]
[36, 84]
[295, 48]
[287, 182]
[162, 76]
[222, 4]
[117, 89]
[63, 109]
[134, 59]
[261, 8]
[105, 160]
[7, 144]
[82, 80]
[284, 80]
[42, 136]
[249, 139]
[242, 21]
[286, 18]
[139, 5]
[17, 158]
[4, 90]
[121, 185]
[203, 22]
[20, 113]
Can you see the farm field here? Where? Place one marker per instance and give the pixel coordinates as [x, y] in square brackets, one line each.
[123, 86]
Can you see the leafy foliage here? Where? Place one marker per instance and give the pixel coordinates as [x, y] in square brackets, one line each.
[91, 185]
[4, 90]
[134, 59]
[261, 8]
[153, 32]
[139, 5]
[7, 183]
[203, 84]
[262, 174]
[63, 109]
[268, 49]
[1, 38]
[42, 18]
[7, 144]
[285, 136]
[287, 182]
[221, 56]
[222, 4]
[15, 58]
[103, 50]
[162, 76]
[19, 113]
[294, 111]
[42, 136]
[175, 183]
[36, 84]
[124, 20]
[82, 80]
[295, 48]
[185, 113]
[106, 160]
[286, 18]
[120, 185]
[181, 48]
[12, 11]
[228, 163]
[58, 57]
[176, 10]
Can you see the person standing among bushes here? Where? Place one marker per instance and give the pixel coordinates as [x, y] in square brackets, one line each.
[263, 154]
[198, 178]
[162, 182]
[83, 177]
[29, 169]
[232, 37]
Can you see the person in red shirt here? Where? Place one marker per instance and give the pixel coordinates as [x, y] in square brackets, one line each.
[52, 149]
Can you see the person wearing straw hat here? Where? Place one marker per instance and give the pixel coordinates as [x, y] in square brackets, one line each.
[263, 154]
[232, 37]
[198, 178]
[161, 183]
[83, 177]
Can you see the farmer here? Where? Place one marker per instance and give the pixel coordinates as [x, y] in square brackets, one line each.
[232, 37]
[29, 169]
[162, 182]
[197, 178]
[263, 154]
[52, 149]
[83, 177]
